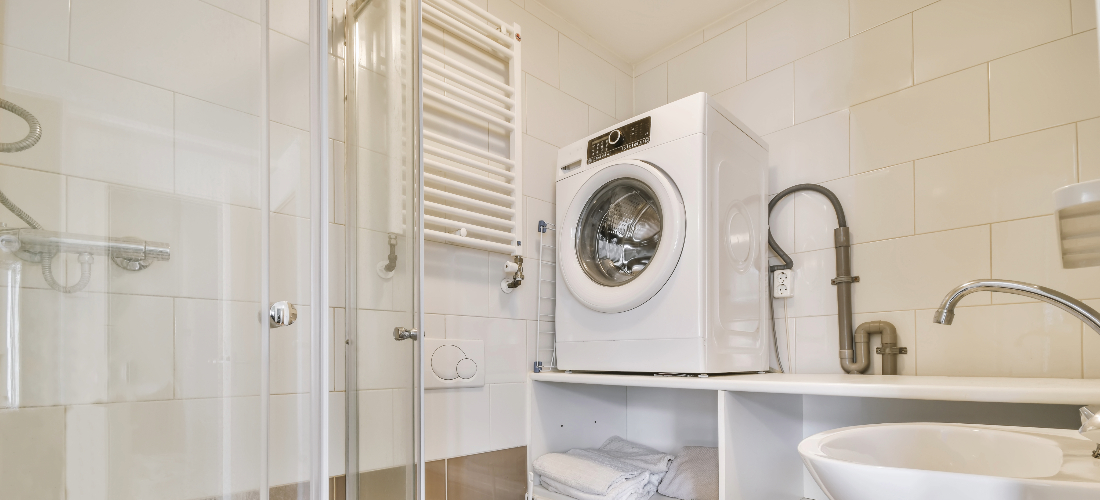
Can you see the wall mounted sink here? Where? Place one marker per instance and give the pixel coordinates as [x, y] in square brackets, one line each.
[952, 461]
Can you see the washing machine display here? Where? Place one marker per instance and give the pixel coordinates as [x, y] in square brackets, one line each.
[621, 139]
[619, 232]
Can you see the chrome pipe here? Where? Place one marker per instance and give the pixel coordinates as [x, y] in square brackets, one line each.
[39, 241]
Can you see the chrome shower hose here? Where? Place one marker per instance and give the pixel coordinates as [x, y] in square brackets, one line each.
[33, 135]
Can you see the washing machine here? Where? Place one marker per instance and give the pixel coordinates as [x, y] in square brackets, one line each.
[661, 247]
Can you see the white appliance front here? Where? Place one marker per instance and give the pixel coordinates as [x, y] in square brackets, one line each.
[662, 246]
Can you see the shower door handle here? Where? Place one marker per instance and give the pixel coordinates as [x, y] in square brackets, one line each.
[282, 313]
[402, 333]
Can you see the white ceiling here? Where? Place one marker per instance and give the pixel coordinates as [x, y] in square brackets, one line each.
[635, 29]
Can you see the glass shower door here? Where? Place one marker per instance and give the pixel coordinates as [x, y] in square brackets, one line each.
[375, 45]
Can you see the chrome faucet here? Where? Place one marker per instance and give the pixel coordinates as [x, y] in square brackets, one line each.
[1090, 423]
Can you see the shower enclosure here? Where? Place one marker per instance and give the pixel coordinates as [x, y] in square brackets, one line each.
[202, 165]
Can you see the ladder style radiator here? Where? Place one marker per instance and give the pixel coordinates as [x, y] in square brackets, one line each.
[473, 147]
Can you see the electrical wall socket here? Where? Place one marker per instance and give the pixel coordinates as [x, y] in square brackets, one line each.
[781, 284]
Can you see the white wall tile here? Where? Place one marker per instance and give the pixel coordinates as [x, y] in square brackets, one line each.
[586, 77]
[32, 441]
[794, 29]
[765, 103]
[624, 96]
[435, 325]
[456, 422]
[455, 280]
[999, 181]
[1088, 150]
[554, 116]
[376, 437]
[810, 152]
[917, 271]
[336, 438]
[544, 342]
[941, 115]
[383, 363]
[598, 121]
[217, 152]
[291, 258]
[40, 194]
[1027, 250]
[64, 348]
[289, 170]
[290, 81]
[878, 205]
[955, 34]
[714, 66]
[337, 265]
[289, 438]
[40, 26]
[1045, 86]
[537, 210]
[339, 349]
[813, 295]
[539, 168]
[505, 343]
[192, 45]
[381, 202]
[858, 69]
[1084, 15]
[290, 355]
[782, 225]
[1015, 340]
[817, 343]
[291, 18]
[540, 41]
[507, 416]
[105, 128]
[86, 452]
[867, 14]
[651, 89]
[336, 118]
[140, 363]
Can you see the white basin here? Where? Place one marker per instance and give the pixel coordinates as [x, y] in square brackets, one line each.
[952, 461]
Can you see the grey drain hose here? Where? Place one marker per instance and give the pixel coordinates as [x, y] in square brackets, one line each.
[33, 135]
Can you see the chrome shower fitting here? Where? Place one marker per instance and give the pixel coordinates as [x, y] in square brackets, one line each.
[39, 246]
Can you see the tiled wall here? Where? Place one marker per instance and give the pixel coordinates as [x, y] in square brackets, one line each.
[942, 126]
[573, 86]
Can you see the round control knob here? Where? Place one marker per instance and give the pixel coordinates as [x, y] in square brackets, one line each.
[615, 138]
[467, 369]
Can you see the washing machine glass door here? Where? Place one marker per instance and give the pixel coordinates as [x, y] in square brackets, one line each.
[626, 234]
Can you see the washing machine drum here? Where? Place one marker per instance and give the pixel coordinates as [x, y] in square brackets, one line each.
[626, 234]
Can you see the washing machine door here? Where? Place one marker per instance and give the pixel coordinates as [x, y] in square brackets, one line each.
[626, 228]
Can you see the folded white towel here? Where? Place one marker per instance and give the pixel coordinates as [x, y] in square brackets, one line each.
[636, 488]
[693, 475]
[636, 454]
[580, 473]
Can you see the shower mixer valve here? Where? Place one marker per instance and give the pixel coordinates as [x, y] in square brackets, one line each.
[41, 246]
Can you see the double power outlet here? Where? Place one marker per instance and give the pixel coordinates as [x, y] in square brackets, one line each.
[782, 283]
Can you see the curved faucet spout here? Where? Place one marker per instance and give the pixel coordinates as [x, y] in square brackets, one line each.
[1078, 309]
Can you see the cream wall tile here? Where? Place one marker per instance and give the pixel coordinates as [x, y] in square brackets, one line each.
[86, 452]
[507, 416]
[813, 295]
[568, 29]
[878, 205]
[540, 41]
[435, 325]
[456, 422]
[505, 343]
[455, 280]
[651, 89]
[998, 181]
[40, 194]
[140, 364]
[217, 152]
[376, 424]
[290, 81]
[1045, 86]
[64, 348]
[291, 18]
[1084, 15]
[40, 26]
[115, 130]
[586, 77]
[765, 103]
[291, 258]
[289, 438]
[1088, 150]
[289, 170]
[336, 437]
[714, 66]
[554, 116]
[539, 168]
[954, 34]
[1017, 340]
[810, 152]
[867, 14]
[794, 29]
[193, 45]
[917, 271]
[598, 121]
[32, 453]
[536, 210]
[217, 348]
[1027, 250]
[858, 69]
[674, 49]
[624, 96]
[938, 116]
[290, 355]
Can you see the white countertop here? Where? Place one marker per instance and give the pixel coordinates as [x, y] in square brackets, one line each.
[982, 389]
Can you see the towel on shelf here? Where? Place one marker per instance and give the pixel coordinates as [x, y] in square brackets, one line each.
[693, 475]
[617, 470]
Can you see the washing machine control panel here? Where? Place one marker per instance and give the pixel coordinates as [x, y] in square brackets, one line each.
[621, 139]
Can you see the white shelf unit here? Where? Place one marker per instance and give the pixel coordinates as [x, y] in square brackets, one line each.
[756, 432]
[473, 148]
